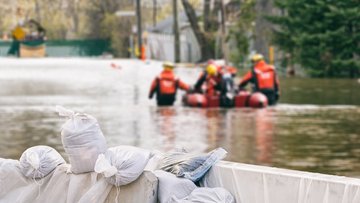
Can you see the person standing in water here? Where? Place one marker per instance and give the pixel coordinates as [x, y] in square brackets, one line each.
[165, 86]
[264, 78]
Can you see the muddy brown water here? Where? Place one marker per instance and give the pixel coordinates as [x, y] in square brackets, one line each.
[314, 128]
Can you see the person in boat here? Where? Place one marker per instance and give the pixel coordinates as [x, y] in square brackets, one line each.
[227, 88]
[165, 86]
[209, 81]
[264, 79]
[218, 80]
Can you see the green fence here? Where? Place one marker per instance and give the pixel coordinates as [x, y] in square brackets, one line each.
[68, 48]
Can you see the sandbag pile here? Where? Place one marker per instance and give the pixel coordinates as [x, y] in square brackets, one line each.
[85, 145]
[82, 139]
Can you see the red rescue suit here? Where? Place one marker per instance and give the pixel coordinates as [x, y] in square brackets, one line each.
[212, 84]
[264, 78]
[165, 87]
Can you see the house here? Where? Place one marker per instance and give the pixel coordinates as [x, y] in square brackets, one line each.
[160, 41]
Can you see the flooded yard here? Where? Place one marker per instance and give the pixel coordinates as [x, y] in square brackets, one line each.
[314, 128]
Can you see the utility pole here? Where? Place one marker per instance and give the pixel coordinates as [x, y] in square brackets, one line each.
[176, 33]
[139, 31]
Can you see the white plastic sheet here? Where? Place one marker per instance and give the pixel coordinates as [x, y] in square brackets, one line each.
[82, 139]
[251, 183]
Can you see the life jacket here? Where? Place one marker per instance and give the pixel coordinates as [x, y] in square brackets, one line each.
[211, 84]
[167, 84]
[264, 76]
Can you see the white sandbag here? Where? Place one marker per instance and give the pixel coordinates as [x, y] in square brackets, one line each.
[82, 139]
[39, 161]
[207, 195]
[122, 165]
[154, 161]
[172, 188]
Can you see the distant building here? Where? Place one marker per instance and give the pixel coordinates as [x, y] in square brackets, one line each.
[150, 3]
[160, 41]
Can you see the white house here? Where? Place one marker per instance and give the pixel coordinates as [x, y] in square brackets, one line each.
[160, 41]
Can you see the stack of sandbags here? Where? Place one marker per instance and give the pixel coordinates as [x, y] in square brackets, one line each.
[82, 139]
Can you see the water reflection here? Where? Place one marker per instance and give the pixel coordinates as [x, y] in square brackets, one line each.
[264, 127]
[166, 127]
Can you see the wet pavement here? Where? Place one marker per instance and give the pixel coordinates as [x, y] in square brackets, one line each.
[317, 137]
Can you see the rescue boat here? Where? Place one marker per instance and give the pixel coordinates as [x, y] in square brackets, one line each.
[242, 99]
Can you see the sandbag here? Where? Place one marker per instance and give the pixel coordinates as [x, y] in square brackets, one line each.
[172, 188]
[122, 165]
[191, 166]
[154, 161]
[207, 195]
[82, 139]
[39, 161]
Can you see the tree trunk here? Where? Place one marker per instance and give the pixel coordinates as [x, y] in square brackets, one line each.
[223, 32]
[154, 12]
[263, 27]
[176, 33]
[207, 21]
[204, 45]
[215, 15]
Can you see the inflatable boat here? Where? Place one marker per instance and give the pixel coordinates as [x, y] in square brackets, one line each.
[242, 99]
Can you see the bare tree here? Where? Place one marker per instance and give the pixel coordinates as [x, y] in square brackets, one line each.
[205, 47]
[207, 22]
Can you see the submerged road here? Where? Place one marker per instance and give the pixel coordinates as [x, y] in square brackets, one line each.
[313, 138]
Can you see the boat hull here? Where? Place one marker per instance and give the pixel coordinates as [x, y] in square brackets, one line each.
[242, 99]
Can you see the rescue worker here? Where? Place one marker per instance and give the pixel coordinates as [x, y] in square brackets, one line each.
[165, 86]
[264, 79]
[211, 78]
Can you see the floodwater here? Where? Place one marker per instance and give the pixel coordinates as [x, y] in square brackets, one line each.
[314, 128]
